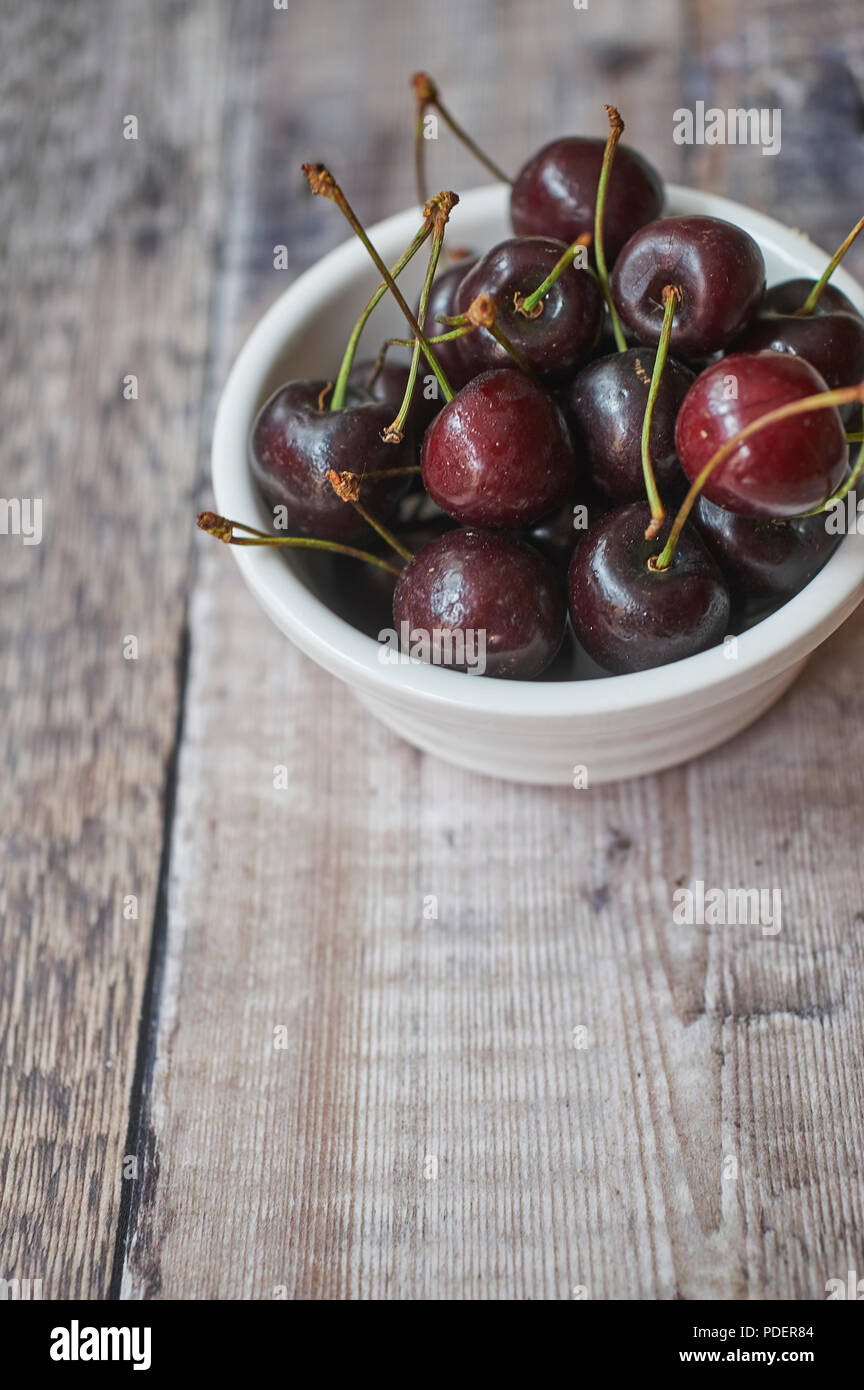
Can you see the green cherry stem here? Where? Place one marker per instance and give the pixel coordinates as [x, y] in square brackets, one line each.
[823, 400]
[671, 299]
[482, 312]
[223, 530]
[440, 212]
[347, 488]
[403, 470]
[426, 94]
[532, 304]
[323, 184]
[338, 398]
[855, 437]
[813, 297]
[850, 482]
[438, 338]
[616, 130]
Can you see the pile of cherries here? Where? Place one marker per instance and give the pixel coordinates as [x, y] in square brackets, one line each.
[600, 364]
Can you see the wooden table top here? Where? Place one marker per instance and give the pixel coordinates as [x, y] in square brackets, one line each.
[237, 1061]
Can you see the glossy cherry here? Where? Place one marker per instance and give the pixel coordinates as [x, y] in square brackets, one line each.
[485, 582]
[787, 468]
[605, 407]
[554, 339]
[557, 535]
[629, 617]
[499, 453]
[555, 192]
[830, 338]
[762, 559]
[441, 298]
[295, 443]
[717, 268]
[390, 384]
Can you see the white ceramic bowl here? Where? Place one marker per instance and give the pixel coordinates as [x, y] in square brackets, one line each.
[527, 731]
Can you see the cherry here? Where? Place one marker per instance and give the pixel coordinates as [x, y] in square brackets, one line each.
[830, 337]
[441, 305]
[762, 559]
[556, 337]
[498, 453]
[295, 443]
[787, 468]
[605, 407]
[630, 617]
[557, 535]
[390, 383]
[487, 586]
[717, 268]
[554, 194]
[789, 297]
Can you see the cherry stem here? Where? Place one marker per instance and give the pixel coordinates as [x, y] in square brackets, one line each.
[813, 297]
[616, 130]
[223, 530]
[427, 94]
[850, 482]
[394, 432]
[338, 398]
[823, 400]
[855, 437]
[483, 313]
[347, 487]
[438, 338]
[403, 470]
[848, 485]
[323, 184]
[532, 305]
[671, 299]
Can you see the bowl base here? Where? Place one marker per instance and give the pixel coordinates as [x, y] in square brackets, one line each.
[593, 756]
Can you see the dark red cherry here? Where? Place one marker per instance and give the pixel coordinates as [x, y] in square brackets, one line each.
[390, 383]
[784, 469]
[788, 295]
[499, 453]
[717, 268]
[495, 591]
[605, 407]
[555, 192]
[294, 445]
[555, 341]
[831, 338]
[557, 535]
[441, 298]
[763, 559]
[629, 617]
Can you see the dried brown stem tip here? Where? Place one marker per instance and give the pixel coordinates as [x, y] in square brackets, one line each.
[438, 209]
[320, 180]
[425, 90]
[615, 122]
[519, 306]
[345, 485]
[217, 526]
[482, 311]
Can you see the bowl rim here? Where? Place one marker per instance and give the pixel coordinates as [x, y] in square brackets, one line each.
[771, 645]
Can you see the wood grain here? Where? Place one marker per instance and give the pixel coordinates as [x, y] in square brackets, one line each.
[429, 1125]
[109, 270]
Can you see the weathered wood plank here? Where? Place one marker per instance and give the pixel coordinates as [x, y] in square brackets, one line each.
[108, 274]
